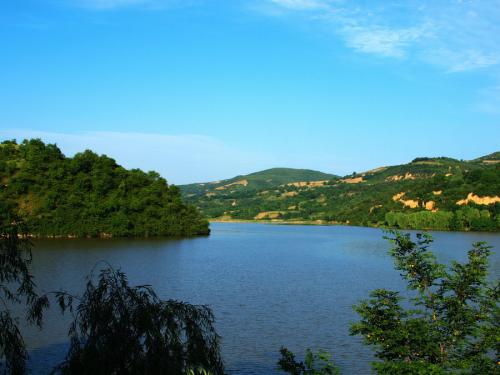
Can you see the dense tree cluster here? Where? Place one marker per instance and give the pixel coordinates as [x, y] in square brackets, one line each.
[466, 218]
[90, 195]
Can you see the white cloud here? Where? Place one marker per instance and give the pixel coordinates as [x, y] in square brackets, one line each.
[116, 4]
[382, 41]
[457, 36]
[462, 60]
[179, 158]
[110, 4]
[301, 4]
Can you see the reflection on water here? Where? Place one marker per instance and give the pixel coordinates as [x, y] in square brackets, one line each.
[269, 285]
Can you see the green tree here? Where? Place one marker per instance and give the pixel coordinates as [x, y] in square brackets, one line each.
[450, 324]
[90, 195]
[16, 288]
[454, 324]
[119, 329]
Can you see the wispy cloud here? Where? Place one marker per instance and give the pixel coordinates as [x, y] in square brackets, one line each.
[382, 41]
[461, 60]
[301, 4]
[110, 4]
[118, 4]
[456, 35]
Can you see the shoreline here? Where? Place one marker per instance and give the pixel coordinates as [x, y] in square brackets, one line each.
[331, 224]
[288, 222]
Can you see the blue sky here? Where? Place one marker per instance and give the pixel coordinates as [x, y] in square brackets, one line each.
[203, 90]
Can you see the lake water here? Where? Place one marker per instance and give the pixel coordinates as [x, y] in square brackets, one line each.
[268, 285]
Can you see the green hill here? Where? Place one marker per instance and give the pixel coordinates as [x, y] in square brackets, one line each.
[491, 158]
[258, 180]
[427, 193]
[89, 195]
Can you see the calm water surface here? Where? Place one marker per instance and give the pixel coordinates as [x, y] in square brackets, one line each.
[268, 285]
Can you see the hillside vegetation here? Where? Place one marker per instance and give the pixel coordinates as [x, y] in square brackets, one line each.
[258, 180]
[90, 195]
[427, 193]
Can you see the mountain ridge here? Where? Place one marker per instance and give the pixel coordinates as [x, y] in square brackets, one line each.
[426, 193]
[266, 177]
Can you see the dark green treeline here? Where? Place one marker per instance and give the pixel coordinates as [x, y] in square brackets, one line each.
[90, 195]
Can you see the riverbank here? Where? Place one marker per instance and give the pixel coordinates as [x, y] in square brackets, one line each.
[282, 222]
[334, 223]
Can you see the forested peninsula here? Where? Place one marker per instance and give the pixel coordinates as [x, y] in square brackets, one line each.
[89, 195]
[438, 193]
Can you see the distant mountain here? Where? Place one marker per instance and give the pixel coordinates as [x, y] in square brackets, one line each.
[258, 180]
[491, 158]
[427, 193]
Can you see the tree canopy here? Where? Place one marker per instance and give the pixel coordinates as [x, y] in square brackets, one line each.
[90, 195]
[120, 329]
[17, 287]
[449, 324]
[454, 324]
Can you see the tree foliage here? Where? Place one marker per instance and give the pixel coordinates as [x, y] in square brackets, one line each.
[119, 329]
[17, 287]
[450, 324]
[90, 195]
[319, 363]
[463, 219]
[453, 324]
